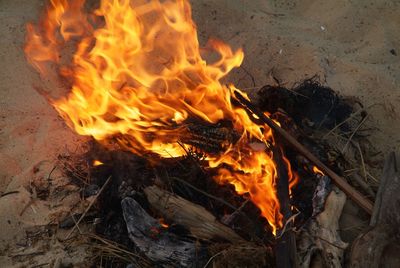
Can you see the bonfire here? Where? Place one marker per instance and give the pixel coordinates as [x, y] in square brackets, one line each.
[194, 172]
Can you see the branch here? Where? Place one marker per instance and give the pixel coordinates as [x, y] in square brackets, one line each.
[356, 196]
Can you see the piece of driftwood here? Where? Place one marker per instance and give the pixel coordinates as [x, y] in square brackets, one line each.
[157, 243]
[379, 245]
[386, 208]
[355, 195]
[320, 235]
[285, 248]
[201, 223]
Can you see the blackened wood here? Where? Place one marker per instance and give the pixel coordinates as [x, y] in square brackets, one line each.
[285, 249]
[164, 248]
[350, 191]
[209, 138]
[201, 223]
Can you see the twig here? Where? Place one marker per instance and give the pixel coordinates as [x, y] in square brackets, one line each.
[41, 265]
[343, 122]
[51, 172]
[8, 193]
[356, 196]
[324, 240]
[115, 247]
[213, 257]
[32, 254]
[362, 161]
[238, 211]
[249, 74]
[205, 193]
[354, 132]
[290, 220]
[27, 206]
[347, 119]
[88, 208]
[76, 223]
[372, 177]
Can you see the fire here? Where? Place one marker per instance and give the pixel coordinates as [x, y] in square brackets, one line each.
[317, 171]
[97, 163]
[163, 223]
[138, 74]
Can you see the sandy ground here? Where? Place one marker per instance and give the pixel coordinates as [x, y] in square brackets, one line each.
[353, 45]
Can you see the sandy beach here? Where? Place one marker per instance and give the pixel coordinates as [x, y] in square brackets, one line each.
[353, 46]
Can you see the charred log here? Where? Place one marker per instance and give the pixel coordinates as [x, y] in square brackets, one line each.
[211, 139]
[285, 249]
[158, 244]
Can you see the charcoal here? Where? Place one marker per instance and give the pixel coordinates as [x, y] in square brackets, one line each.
[211, 139]
[309, 104]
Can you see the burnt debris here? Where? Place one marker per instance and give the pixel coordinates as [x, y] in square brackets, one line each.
[125, 215]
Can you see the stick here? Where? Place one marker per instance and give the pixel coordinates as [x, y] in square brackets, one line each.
[356, 196]
[354, 132]
[285, 248]
[88, 208]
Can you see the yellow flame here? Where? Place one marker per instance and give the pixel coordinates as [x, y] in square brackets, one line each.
[316, 170]
[97, 163]
[138, 73]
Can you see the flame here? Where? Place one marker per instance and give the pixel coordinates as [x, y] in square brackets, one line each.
[97, 163]
[163, 223]
[317, 171]
[138, 73]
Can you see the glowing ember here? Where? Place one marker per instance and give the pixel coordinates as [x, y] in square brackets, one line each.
[97, 163]
[137, 74]
[163, 223]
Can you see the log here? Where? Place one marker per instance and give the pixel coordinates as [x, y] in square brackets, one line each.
[201, 223]
[350, 191]
[321, 236]
[164, 248]
[385, 209]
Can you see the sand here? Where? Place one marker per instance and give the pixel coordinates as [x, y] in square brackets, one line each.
[352, 45]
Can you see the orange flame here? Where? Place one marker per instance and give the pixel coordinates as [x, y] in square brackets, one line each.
[317, 171]
[163, 223]
[138, 73]
[97, 163]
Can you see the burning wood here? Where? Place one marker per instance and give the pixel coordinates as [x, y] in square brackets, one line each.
[156, 242]
[138, 74]
[139, 78]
